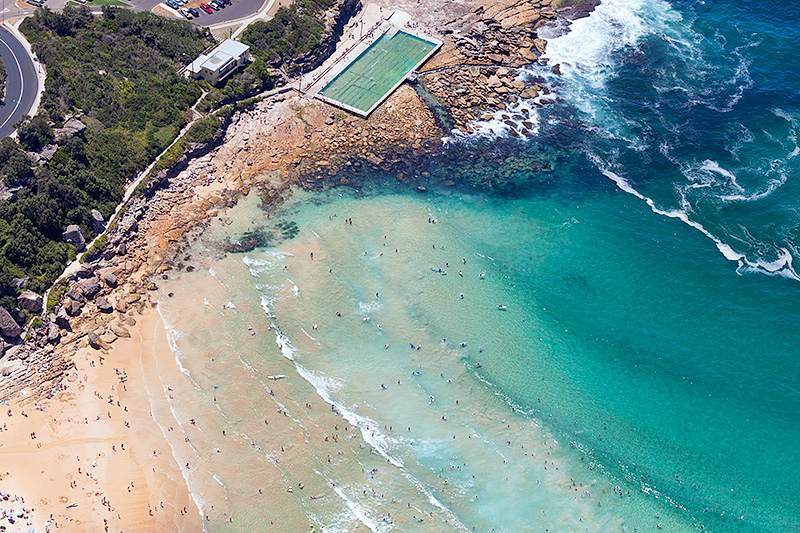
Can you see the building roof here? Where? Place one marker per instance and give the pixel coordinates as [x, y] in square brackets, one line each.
[219, 56]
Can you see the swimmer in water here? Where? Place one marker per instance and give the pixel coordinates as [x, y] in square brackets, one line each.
[386, 346]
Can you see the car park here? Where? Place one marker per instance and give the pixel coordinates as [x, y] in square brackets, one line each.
[205, 8]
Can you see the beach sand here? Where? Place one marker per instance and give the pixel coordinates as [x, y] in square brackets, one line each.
[93, 447]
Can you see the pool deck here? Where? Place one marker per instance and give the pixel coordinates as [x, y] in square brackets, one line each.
[362, 34]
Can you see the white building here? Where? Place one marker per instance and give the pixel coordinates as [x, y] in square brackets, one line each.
[220, 62]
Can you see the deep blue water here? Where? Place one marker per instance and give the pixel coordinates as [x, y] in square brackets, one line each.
[674, 339]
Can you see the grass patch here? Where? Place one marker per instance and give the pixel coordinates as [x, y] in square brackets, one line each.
[55, 294]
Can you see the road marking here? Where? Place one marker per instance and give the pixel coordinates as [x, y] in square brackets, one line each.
[21, 82]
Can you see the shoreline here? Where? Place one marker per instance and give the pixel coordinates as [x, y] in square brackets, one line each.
[279, 143]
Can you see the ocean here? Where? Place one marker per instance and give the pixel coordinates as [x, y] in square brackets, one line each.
[598, 334]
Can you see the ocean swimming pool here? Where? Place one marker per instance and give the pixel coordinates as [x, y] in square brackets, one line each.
[380, 69]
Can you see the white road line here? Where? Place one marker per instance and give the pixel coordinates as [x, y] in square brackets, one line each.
[21, 82]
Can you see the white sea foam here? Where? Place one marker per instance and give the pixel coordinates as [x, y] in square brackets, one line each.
[357, 510]
[781, 266]
[366, 308]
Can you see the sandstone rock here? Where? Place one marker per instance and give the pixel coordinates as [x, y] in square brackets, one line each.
[128, 320]
[84, 272]
[71, 126]
[502, 71]
[152, 286]
[91, 287]
[98, 222]
[95, 342]
[31, 301]
[110, 279]
[53, 333]
[74, 236]
[108, 338]
[121, 331]
[17, 352]
[528, 54]
[103, 305]
[121, 306]
[72, 308]
[540, 45]
[8, 326]
[62, 319]
[494, 81]
[122, 249]
[76, 293]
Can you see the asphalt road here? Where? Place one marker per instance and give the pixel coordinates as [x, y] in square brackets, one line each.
[21, 82]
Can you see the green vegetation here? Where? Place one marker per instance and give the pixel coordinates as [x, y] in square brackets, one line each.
[201, 131]
[119, 71]
[3, 76]
[94, 248]
[55, 294]
[293, 33]
[252, 80]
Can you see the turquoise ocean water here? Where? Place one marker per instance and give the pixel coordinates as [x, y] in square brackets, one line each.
[606, 339]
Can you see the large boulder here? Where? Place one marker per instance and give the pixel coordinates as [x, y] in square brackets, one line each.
[31, 301]
[98, 222]
[76, 293]
[71, 127]
[95, 342]
[84, 272]
[110, 279]
[53, 333]
[62, 319]
[74, 236]
[103, 305]
[91, 287]
[8, 326]
[72, 307]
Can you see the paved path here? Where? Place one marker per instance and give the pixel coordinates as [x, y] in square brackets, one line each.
[22, 83]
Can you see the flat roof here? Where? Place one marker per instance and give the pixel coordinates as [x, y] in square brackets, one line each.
[219, 56]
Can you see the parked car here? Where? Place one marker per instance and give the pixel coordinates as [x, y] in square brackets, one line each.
[37, 3]
[205, 8]
[185, 12]
[213, 5]
[194, 12]
[216, 4]
[172, 3]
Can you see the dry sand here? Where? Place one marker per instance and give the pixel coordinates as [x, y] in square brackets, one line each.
[93, 447]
